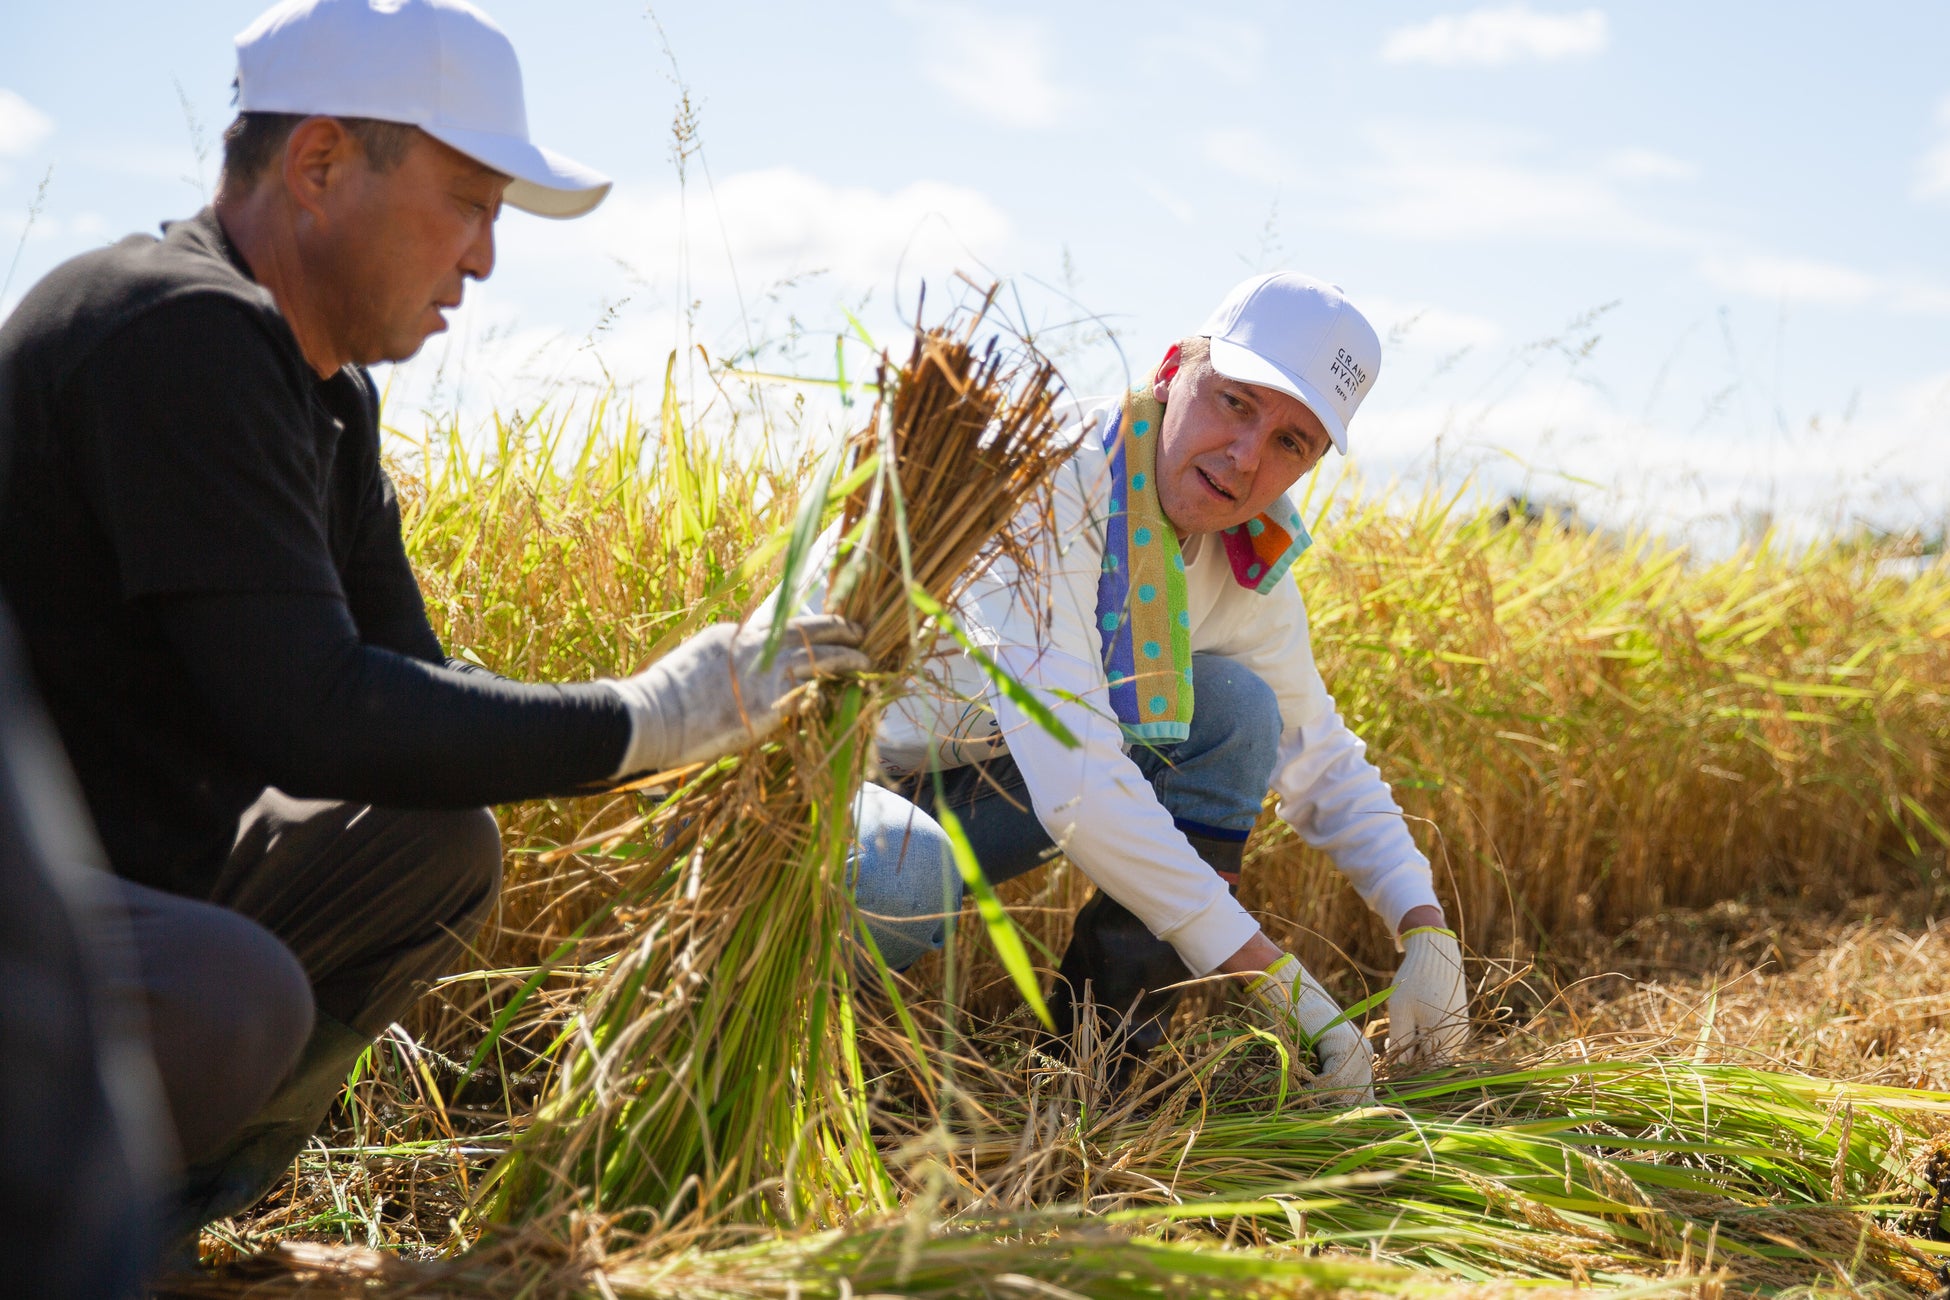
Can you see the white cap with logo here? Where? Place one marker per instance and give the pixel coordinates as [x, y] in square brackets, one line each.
[440, 65]
[1301, 336]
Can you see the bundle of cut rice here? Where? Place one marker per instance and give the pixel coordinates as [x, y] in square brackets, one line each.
[713, 1072]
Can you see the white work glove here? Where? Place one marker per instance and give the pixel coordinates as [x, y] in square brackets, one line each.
[1428, 1013]
[1298, 1009]
[709, 695]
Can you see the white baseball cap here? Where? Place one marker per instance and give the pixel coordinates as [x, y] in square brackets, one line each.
[1301, 336]
[440, 65]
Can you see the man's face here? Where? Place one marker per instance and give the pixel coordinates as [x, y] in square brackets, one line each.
[1228, 449]
[402, 244]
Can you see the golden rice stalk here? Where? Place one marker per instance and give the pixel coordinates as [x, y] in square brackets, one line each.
[714, 1071]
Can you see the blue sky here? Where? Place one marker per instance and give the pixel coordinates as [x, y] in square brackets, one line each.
[1677, 262]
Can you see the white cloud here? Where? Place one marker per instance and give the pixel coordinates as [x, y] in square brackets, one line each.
[22, 126]
[1458, 200]
[1436, 183]
[998, 66]
[1492, 36]
[1796, 279]
[1650, 165]
[1234, 52]
[1421, 326]
[1814, 282]
[1445, 183]
[1556, 441]
[1246, 153]
[1914, 299]
[623, 282]
[51, 227]
[1933, 168]
[781, 222]
[1811, 281]
[1181, 211]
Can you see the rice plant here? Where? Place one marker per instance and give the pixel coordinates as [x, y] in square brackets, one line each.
[1586, 728]
[1591, 728]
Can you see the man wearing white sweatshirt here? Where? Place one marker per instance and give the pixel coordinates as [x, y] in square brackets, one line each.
[1161, 626]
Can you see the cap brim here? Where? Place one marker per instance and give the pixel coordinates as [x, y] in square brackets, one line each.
[1236, 361]
[543, 181]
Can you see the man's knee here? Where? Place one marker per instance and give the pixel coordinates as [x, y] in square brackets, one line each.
[230, 1009]
[1227, 694]
[211, 974]
[273, 1008]
[463, 864]
[1214, 781]
[903, 875]
[472, 853]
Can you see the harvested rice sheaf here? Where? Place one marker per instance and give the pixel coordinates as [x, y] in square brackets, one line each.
[713, 1071]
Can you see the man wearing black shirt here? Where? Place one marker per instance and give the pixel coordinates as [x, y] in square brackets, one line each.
[203, 552]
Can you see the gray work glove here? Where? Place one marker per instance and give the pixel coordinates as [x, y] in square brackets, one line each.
[1297, 1008]
[709, 695]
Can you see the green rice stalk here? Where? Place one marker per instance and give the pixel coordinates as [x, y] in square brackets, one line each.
[1566, 1170]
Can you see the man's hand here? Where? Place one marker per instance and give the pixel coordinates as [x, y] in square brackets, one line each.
[1299, 1010]
[709, 695]
[1428, 1013]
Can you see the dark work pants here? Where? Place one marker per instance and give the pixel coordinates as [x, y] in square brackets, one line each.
[326, 923]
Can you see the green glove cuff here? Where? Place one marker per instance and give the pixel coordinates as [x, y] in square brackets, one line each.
[1271, 973]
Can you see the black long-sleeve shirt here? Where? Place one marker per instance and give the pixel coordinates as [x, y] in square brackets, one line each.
[203, 554]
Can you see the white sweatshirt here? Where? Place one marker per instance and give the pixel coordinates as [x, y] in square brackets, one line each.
[1093, 800]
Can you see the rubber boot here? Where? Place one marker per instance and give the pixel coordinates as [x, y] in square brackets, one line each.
[234, 1178]
[1129, 970]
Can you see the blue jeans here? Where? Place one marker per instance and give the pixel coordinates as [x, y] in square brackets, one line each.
[1212, 782]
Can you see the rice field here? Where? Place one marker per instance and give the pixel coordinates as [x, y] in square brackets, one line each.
[1689, 816]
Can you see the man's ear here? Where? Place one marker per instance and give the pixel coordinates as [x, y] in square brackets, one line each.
[1167, 371]
[316, 157]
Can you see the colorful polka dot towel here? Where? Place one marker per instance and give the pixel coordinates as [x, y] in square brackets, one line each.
[1141, 607]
